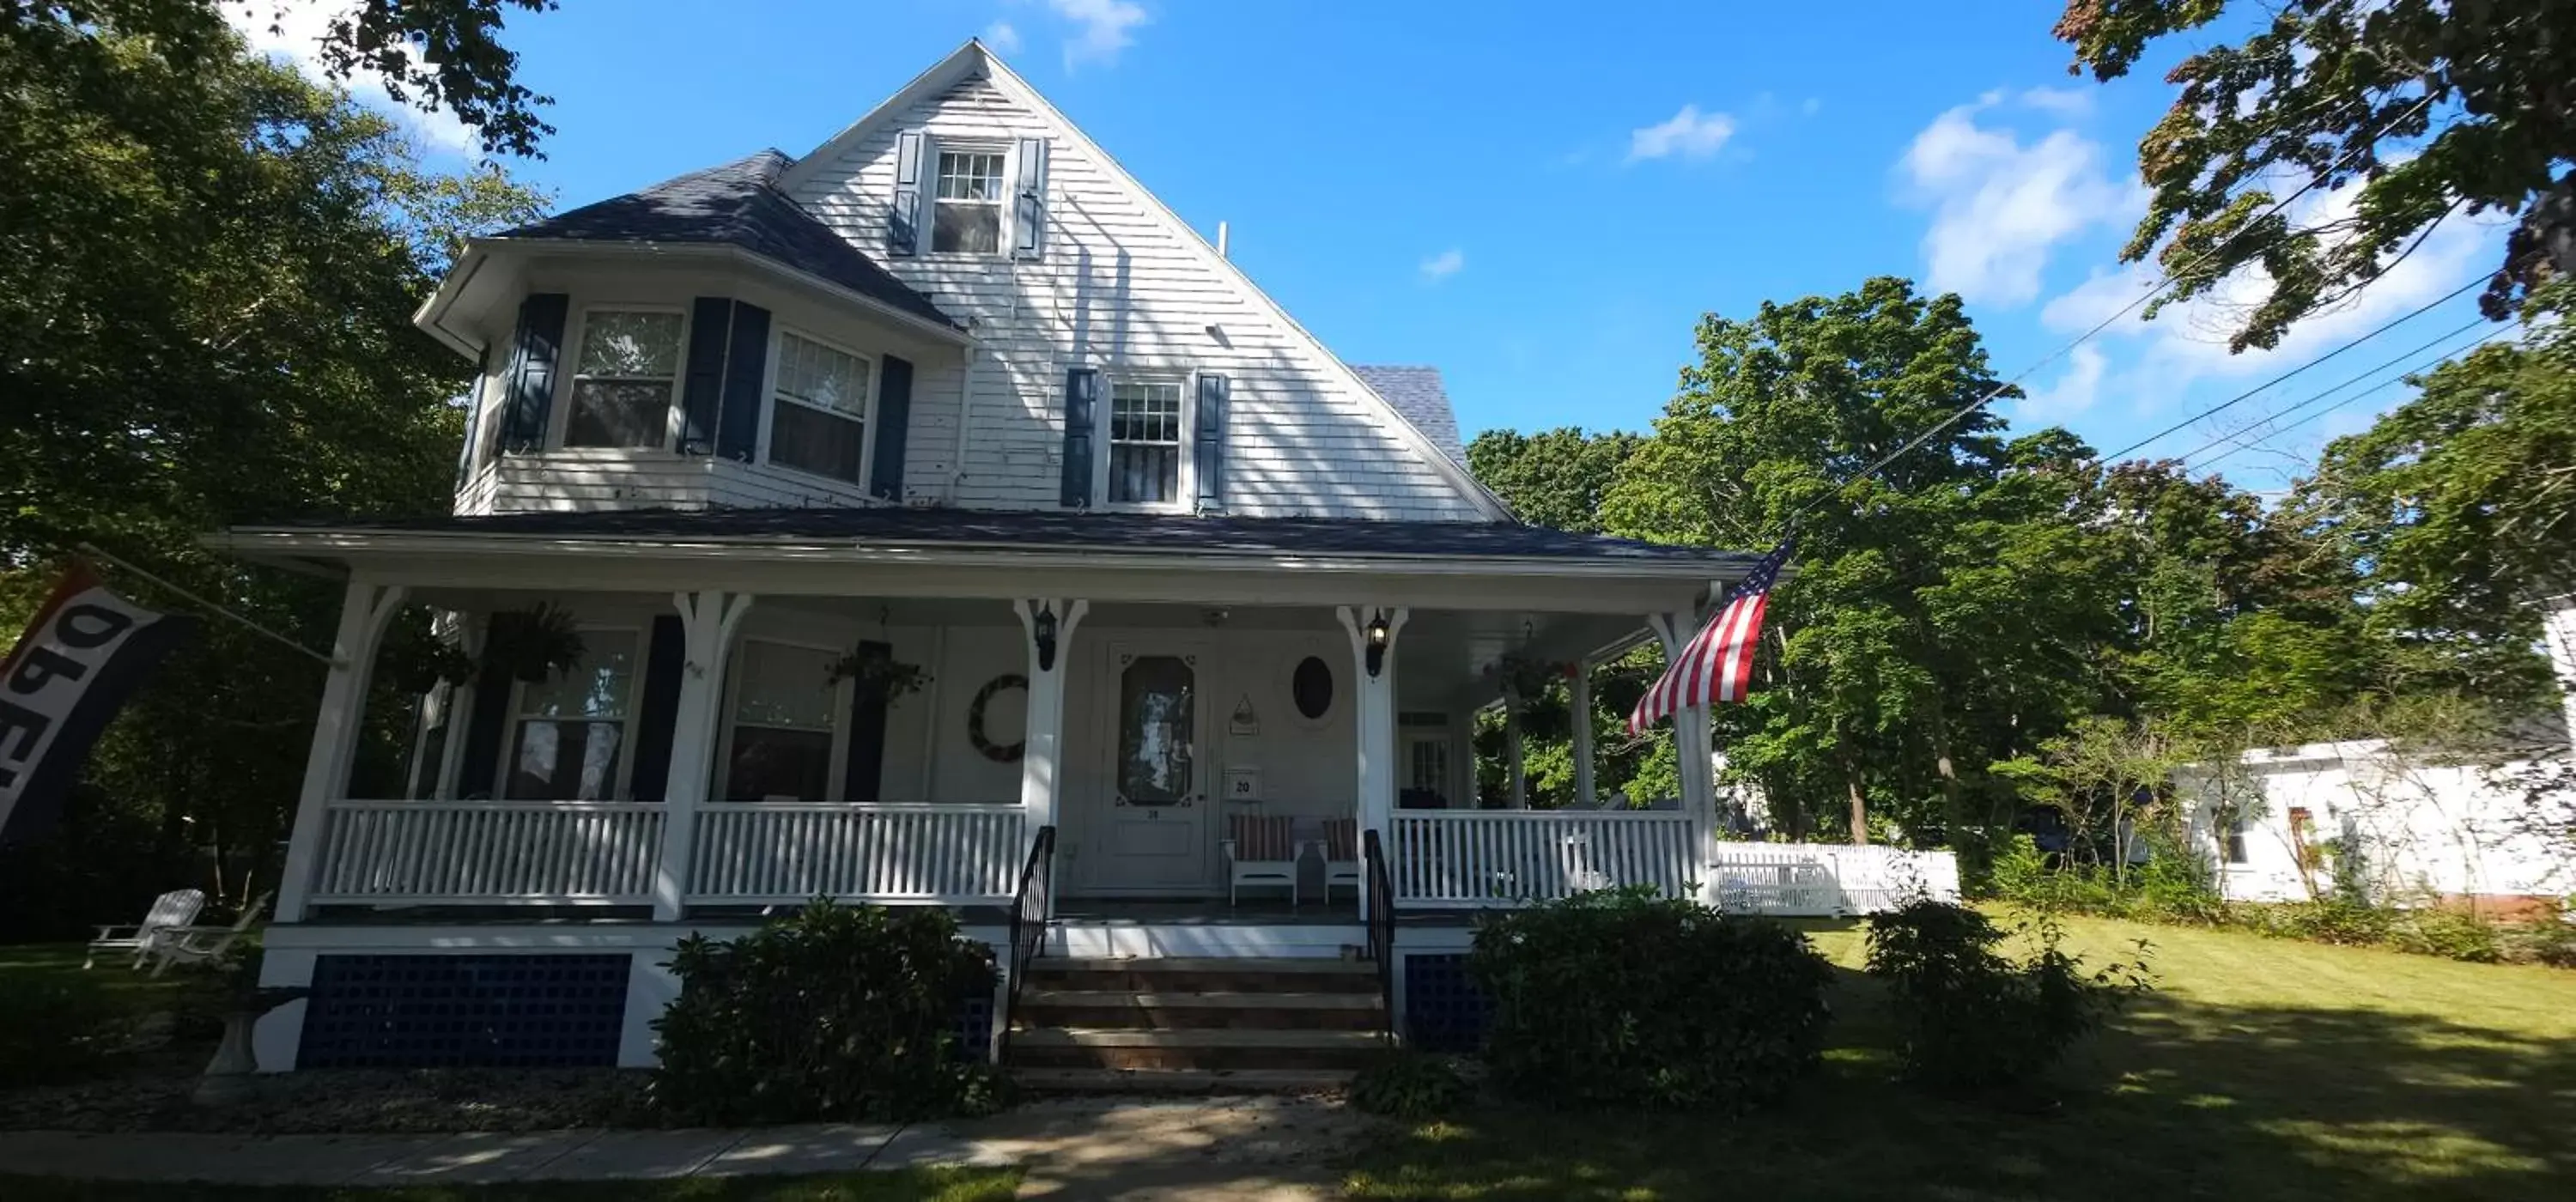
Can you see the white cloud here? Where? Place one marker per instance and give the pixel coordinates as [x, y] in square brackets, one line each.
[1105, 28]
[1002, 38]
[2063, 102]
[292, 30]
[1812, 104]
[1690, 134]
[2074, 392]
[1443, 265]
[2000, 206]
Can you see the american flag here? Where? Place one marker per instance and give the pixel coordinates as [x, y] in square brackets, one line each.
[1717, 665]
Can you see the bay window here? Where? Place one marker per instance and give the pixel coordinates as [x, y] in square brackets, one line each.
[623, 379]
[569, 732]
[818, 409]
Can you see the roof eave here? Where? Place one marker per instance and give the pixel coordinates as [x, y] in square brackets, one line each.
[939, 330]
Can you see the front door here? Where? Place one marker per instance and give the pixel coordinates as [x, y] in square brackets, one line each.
[1147, 828]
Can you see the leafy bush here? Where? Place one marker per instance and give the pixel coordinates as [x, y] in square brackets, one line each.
[2170, 886]
[837, 1013]
[56, 1030]
[1409, 1085]
[2549, 937]
[1967, 1017]
[2436, 930]
[1620, 997]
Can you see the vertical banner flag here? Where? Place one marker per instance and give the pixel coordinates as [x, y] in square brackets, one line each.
[79, 660]
[1717, 664]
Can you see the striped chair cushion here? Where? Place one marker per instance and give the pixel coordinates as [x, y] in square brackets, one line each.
[1341, 839]
[1264, 838]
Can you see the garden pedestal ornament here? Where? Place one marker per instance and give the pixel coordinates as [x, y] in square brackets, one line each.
[230, 1075]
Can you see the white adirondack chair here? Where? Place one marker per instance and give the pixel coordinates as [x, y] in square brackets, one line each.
[177, 908]
[1260, 850]
[202, 945]
[1341, 855]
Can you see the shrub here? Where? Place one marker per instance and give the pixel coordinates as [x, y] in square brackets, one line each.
[837, 1013]
[1623, 998]
[1970, 1019]
[1409, 1085]
[2436, 930]
[57, 1030]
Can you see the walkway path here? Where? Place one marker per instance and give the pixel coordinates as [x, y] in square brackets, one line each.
[1265, 1149]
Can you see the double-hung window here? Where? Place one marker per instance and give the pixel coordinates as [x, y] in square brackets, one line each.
[966, 210]
[1145, 442]
[818, 410]
[571, 729]
[779, 747]
[624, 378]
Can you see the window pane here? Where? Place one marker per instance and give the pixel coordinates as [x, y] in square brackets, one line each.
[1155, 726]
[966, 228]
[1144, 474]
[606, 414]
[814, 441]
[779, 764]
[970, 175]
[1144, 441]
[565, 761]
[596, 689]
[615, 343]
[823, 377]
[784, 686]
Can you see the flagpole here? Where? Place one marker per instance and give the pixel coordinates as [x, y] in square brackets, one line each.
[254, 627]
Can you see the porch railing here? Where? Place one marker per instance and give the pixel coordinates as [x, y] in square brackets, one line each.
[1827, 878]
[786, 852]
[506, 852]
[1444, 858]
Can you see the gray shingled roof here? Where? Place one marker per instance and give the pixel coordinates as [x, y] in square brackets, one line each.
[736, 204]
[1173, 533]
[1416, 392]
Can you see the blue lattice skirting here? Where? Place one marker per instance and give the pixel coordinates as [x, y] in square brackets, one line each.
[1443, 1010]
[543, 1011]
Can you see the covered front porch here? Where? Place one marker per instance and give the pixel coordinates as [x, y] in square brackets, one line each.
[1098, 724]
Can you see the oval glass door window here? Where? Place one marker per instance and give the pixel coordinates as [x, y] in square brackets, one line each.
[1311, 687]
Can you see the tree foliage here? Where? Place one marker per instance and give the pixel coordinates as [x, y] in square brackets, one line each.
[2437, 108]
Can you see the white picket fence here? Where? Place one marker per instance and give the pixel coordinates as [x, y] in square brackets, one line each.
[1827, 878]
[785, 852]
[506, 852]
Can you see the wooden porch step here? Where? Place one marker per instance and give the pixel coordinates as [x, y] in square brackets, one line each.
[1222, 1048]
[1190, 974]
[1104, 1008]
[1183, 1080]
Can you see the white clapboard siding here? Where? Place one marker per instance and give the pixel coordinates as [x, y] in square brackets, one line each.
[1487, 858]
[786, 852]
[646, 480]
[1118, 285]
[564, 853]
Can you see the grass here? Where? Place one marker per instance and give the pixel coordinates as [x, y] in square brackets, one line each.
[2260, 1069]
[117, 983]
[909, 1185]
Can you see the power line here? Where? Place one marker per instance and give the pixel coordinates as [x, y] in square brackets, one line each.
[2440, 357]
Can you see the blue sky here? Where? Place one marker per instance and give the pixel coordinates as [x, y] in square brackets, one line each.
[1541, 199]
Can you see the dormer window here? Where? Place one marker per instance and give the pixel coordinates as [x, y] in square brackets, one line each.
[818, 409]
[966, 215]
[622, 383]
[1145, 432]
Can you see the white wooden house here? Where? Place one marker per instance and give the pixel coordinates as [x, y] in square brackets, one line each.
[956, 385]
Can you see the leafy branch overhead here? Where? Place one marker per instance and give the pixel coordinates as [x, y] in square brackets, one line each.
[2438, 109]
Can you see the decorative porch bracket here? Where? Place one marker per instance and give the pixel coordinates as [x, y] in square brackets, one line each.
[1697, 755]
[707, 624]
[365, 610]
[1375, 715]
[1049, 623]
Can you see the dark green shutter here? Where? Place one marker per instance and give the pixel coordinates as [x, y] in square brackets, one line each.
[657, 712]
[894, 416]
[1081, 401]
[1028, 222]
[533, 355]
[485, 728]
[903, 225]
[746, 369]
[863, 766]
[1207, 441]
[702, 391]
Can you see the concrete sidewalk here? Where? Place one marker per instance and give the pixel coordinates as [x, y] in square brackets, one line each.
[1261, 1148]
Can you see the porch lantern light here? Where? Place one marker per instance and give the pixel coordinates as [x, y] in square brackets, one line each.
[1378, 637]
[1045, 634]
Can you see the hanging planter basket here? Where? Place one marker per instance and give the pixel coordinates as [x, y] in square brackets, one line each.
[534, 645]
[875, 674]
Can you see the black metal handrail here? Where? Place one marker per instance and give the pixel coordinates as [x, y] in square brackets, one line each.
[1029, 917]
[1381, 925]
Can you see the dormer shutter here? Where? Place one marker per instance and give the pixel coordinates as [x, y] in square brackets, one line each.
[1207, 442]
[894, 418]
[702, 390]
[746, 373]
[532, 371]
[903, 227]
[1028, 221]
[1081, 402]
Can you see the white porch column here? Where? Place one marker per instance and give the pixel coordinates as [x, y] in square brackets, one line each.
[1581, 705]
[1515, 771]
[707, 623]
[1696, 755]
[1049, 623]
[365, 610]
[1373, 630]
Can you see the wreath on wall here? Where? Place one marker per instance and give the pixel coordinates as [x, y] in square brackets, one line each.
[1000, 753]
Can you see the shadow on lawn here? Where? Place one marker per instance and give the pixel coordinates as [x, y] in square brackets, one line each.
[2179, 1099]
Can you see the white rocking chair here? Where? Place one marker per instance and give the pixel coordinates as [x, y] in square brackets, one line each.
[203, 945]
[171, 910]
[1260, 851]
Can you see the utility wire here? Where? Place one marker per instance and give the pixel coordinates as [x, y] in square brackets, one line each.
[2438, 358]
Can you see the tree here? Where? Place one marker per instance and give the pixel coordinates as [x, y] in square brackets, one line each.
[2439, 108]
[1554, 478]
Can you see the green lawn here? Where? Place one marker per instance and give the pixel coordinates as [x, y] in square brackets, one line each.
[912, 1185]
[118, 983]
[2262, 1069]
